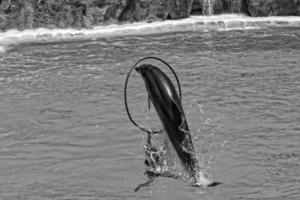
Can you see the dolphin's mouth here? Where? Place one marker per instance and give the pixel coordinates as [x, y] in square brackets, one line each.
[138, 69]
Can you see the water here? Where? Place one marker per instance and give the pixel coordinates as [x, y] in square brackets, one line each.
[195, 23]
[208, 7]
[65, 133]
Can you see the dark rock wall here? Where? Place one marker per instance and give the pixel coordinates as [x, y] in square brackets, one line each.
[251, 7]
[273, 7]
[138, 10]
[230, 6]
[220, 6]
[24, 14]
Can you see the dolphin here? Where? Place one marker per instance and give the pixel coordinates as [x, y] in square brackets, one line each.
[167, 104]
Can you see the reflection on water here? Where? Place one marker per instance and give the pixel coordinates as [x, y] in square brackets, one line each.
[65, 134]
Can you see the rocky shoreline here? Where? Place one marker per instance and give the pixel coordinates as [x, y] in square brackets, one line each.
[29, 14]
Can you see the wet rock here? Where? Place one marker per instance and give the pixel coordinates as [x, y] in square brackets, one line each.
[219, 6]
[197, 7]
[23, 14]
[273, 7]
[250, 7]
[138, 10]
[19, 12]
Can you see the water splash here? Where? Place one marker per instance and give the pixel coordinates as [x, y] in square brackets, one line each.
[208, 7]
[3, 49]
[153, 144]
[208, 143]
[12, 38]
[207, 148]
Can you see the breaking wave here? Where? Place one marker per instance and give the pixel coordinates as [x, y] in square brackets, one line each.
[12, 38]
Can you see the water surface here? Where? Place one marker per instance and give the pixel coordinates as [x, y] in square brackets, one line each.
[65, 133]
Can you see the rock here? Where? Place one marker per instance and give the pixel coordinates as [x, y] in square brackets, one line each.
[20, 12]
[197, 7]
[219, 6]
[273, 7]
[24, 14]
[250, 7]
[138, 10]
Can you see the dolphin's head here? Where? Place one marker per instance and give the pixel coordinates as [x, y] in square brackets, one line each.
[160, 89]
[145, 69]
[158, 84]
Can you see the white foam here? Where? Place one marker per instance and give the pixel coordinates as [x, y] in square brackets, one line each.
[194, 23]
[2, 49]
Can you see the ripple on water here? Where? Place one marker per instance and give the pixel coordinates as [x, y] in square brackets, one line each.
[55, 115]
[64, 132]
